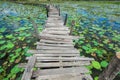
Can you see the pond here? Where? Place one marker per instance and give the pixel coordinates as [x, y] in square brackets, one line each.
[17, 35]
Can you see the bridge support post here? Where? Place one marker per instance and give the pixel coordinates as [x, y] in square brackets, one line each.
[66, 16]
[47, 10]
[112, 70]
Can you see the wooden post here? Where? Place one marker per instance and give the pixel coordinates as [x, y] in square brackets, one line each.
[59, 11]
[47, 9]
[112, 70]
[58, 8]
[65, 19]
[72, 25]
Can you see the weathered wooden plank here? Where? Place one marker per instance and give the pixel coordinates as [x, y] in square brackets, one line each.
[50, 19]
[58, 64]
[61, 71]
[29, 68]
[53, 13]
[64, 59]
[53, 20]
[58, 29]
[57, 55]
[62, 64]
[54, 16]
[68, 76]
[54, 24]
[56, 45]
[54, 37]
[54, 52]
[59, 51]
[57, 48]
[56, 32]
[56, 42]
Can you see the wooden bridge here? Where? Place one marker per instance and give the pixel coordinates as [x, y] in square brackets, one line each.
[55, 56]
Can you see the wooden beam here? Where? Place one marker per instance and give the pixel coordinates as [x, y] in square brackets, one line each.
[64, 59]
[58, 64]
[60, 71]
[29, 68]
[55, 45]
[56, 48]
[57, 55]
[112, 70]
[56, 42]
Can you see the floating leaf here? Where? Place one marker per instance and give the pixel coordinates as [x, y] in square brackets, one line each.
[9, 36]
[96, 78]
[10, 45]
[18, 50]
[28, 54]
[3, 29]
[3, 47]
[21, 38]
[96, 65]
[2, 55]
[15, 69]
[104, 64]
[2, 42]
[1, 36]
[111, 46]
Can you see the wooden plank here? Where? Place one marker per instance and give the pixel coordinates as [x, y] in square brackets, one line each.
[29, 68]
[60, 71]
[58, 29]
[53, 13]
[56, 32]
[54, 37]
[68, 76]
[63, 64]
[57, 48]
[61, 51]
[56, 45]
[64, 59]
[54, 16]
[52, 19]
[54, 52]
[54, 24]
[58, 64]
[57, 55]
[56, 42]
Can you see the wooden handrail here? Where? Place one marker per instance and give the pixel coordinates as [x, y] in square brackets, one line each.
[112, 70]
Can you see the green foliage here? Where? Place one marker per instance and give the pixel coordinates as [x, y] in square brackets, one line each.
[96, 78]
[104, 64]
[96, 65]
